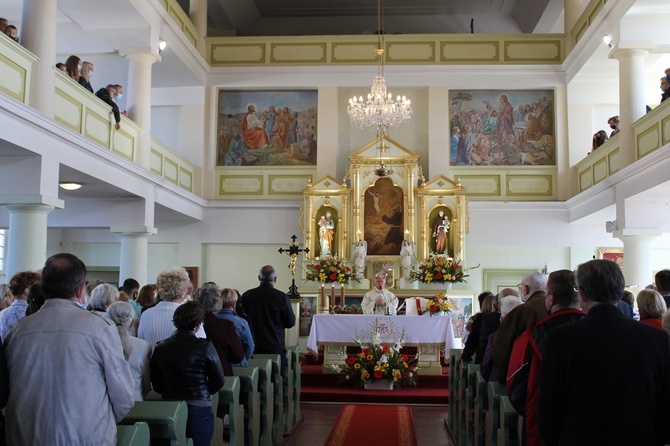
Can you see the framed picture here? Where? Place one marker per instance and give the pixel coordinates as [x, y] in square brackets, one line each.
[387, 266]
[613, 254]
[494, 280]
[502, 127]
[192, 272]
[267, 128]
[383, 218]
[307, 311]
[460, 316]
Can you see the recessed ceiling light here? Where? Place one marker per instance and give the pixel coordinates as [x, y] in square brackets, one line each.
[70, 186]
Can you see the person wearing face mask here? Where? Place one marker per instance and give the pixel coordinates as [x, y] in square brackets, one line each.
[86, 74]
[562, 304]
[119, 95]
[107, 94]
[532, 292]
[614, 125]
[664, 88]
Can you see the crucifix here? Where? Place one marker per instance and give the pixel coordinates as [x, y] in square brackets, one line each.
[293, 251]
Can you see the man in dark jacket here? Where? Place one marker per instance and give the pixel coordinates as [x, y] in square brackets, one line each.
[603, 365]
[524, 366]
[108, 94]
[271, 313]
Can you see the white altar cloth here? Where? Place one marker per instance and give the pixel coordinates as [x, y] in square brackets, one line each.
[419, 330]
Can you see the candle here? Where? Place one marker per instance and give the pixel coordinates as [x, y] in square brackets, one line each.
[359, 235]
[342, 295]
[406, 234]
[323, 295]
[332, 294]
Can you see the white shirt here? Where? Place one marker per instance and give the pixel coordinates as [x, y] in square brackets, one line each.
[368, 303]
[156, 323]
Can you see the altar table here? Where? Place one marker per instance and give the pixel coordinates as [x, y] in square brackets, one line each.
[338, 331]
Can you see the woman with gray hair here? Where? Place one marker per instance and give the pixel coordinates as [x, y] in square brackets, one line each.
[221, 332]
[136, 351]
[102, 297]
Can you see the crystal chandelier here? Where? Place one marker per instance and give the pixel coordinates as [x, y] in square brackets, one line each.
[379, 111]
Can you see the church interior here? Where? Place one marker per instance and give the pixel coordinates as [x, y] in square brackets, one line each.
[168, 188]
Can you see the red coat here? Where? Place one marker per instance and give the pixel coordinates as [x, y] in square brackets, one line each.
[524, 369]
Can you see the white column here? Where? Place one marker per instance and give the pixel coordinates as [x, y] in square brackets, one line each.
[198, 15]
[27, 241]
[134, 252]
[439, 131]
[139, 98]
[38, 35]
[571, 12]
[637, 255]
[631, 98]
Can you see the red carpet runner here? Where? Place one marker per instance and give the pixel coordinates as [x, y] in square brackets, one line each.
[370, 425]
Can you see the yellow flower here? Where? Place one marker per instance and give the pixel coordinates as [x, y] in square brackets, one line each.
[395, 378]
[369, 358]
[357, 366]
[364, 374]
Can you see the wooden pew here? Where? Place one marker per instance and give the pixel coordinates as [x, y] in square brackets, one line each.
[251, 400]
[166, 419]
[133, 434]
[454, 365]
[470, 402]
[218, 422]
[462, 403]
[289, 394]
[277, 381]
[480, 409]
[297, 383]
[230, 395]
[493, 392]
[508, 423]
[266, 390]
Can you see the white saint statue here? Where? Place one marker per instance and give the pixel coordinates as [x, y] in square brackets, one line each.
[406, 258]
[360, 251]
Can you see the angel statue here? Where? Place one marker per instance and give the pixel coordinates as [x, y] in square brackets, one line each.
[406, 258]
[360, 251]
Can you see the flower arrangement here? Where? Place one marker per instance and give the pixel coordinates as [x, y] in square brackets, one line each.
[439, 304]
[440, 269]
[329, 270]
[377, 362]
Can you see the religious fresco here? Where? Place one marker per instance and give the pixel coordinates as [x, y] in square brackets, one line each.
[383, 218]
[460, 315]
[502, 128]
[267, 128]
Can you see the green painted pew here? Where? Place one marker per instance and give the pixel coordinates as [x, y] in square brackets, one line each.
[133, 434]
[166, 420]
[266, 390]
[277, 381]
[230, 396]
[251, 400]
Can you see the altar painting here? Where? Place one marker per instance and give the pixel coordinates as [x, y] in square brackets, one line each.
[307, 311]
[383, 218]
[267, 128]
[459, 316]
[502, 128]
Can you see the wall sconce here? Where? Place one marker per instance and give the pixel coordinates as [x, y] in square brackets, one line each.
[162, 44]
[607, 40]
[70, 186]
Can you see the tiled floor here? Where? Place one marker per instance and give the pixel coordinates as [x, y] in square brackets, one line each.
[318, 419]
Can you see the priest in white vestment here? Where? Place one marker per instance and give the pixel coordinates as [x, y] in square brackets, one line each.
[380, 300]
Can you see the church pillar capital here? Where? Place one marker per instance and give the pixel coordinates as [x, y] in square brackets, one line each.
[27, 241]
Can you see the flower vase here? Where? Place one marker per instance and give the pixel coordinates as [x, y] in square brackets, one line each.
[378, 385]
[436, 286]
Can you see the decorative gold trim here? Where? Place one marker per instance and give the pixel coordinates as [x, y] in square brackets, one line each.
[23, 73]
[104, 121]
[160, 158]
[220, 62]
[223, 178]
[334, 46]
[174, 180]
[298, 192]
[428, 43]
[556, 59]
[275, 46]
[549, 178]
[641, 135]
[79, 106]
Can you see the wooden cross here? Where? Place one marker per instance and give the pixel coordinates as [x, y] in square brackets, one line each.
[293, 251]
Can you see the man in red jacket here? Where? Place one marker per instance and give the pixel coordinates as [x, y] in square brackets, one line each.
[562, 303]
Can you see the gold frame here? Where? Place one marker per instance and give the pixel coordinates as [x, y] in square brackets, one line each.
[603, 254]
[371, 262]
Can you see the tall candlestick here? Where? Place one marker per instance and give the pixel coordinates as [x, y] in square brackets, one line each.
[406, 234]
[342, 295]
[323, 296]
[332, 294]
[359, 234]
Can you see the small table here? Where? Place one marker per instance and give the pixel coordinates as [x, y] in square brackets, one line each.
[428, 334]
